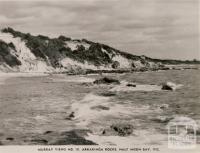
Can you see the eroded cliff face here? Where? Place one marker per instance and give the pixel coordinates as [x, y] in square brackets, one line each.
[20, 52]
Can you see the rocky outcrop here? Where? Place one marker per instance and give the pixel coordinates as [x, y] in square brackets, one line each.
[71, 116]
[10, 138]
[131, 85]
[119, 129]
[106, 80]
[115, 65]
[39, 141]
[100, 107]
[170, 86]
[73, 137]
[162, 119]
[108, 94]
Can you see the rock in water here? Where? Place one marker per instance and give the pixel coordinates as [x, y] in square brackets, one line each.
[169, 86]
[123, 129]
[164, 106]
[108, 94]
[162, 119]
[10, 138]
[131, 85]
[106, 80]
[40, 141]
[73, 137]
[71, 116]
[119, 129]
[100, 107]
[48, 132]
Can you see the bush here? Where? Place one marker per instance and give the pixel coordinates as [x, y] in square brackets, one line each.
[115, 65]
[6, 56]
[63, 38]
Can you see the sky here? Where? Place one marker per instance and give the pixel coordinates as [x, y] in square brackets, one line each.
[167, 29]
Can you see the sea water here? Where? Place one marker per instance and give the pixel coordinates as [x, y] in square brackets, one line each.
[32, 105]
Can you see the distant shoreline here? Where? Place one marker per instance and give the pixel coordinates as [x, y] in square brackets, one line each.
[171, 67]
[90, 71]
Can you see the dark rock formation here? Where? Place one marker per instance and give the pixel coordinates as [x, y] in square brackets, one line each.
[39, 141]
[162, 119]
[87, 84]
[198, 131]
[115, 65]
[100, 107]
[74, 137]
[143, 69]
[164, 68]
[119, 129]
[164, 106]
[10, 138]
[169, 86]
[131, 85]
[106, 80]
[71, 116]
[108, 94]
[166, 87]
[47, 132]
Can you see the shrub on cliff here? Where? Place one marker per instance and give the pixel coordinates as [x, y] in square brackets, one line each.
[63, 38]
[115, 65]
[6, 56]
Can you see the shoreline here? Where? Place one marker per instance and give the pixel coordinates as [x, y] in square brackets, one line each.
[90, 71]
[6, 75]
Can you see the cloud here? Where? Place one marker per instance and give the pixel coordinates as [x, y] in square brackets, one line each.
[151, 27]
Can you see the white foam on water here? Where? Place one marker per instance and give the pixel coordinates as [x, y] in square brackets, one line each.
[139, 87]
[41, 118]
[140, 137]
[110, 140]
[128, 110]
[173, 85]
[83, 111]
[78, 79]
